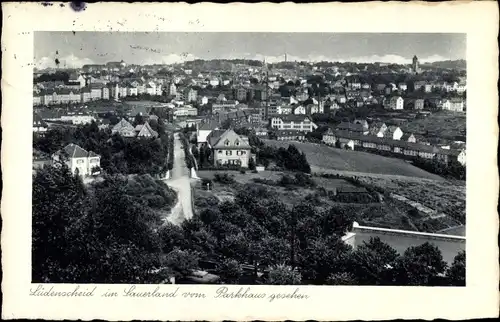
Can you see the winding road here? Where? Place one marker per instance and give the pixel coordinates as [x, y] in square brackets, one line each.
[180, 181]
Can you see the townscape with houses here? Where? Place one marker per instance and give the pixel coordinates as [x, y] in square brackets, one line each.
[249, 172]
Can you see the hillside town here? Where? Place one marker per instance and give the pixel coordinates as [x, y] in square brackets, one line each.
[249, 172]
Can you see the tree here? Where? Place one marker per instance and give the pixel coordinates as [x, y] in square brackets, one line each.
[284, 275]
[181, 262]
[59, 198]
[372, 262]
[342, 279]
[230, 271]
[322, 257]
[419, 265]
[171, 236]
[139, 119]
[196, 153]
[456, 272]
[251, 164]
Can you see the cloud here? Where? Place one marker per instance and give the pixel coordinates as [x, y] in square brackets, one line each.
[70, 61]
[73, 61]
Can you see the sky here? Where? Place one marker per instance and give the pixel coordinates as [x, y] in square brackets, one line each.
[79, 48]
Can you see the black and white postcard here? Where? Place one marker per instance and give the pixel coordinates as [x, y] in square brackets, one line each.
[275, 161]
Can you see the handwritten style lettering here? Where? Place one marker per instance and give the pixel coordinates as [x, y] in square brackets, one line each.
[44, 291]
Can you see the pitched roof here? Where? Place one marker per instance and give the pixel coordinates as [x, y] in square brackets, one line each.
[209, 125]
[397, 143]
[123, 124]
[232, 138]
[75, 151]
[347, 126]
[144, 129]
[293, 118]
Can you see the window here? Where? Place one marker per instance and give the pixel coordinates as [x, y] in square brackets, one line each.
[79, 161]
[226, 143]
[220, 151]
[237, 142]
[229, 152]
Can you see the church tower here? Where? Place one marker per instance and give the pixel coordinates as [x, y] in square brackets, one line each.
[415, 66]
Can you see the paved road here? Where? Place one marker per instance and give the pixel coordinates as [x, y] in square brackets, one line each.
[181, 182]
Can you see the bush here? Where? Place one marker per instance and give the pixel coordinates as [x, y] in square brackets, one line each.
[255, 171]
[243, 171]
[224, 178]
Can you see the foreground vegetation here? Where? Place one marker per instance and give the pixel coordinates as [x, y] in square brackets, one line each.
[102, 233]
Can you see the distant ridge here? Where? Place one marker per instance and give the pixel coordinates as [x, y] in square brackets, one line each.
[448, 64]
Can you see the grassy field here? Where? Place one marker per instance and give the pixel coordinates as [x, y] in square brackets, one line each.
[324, 158]
[447, 198]
[389, 213]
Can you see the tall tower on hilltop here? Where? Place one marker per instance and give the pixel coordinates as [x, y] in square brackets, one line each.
[414, 65]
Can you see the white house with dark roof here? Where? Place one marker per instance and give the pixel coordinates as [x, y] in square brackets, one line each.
[229, 148]
[78, 160]
[124, 128]
[145, 131]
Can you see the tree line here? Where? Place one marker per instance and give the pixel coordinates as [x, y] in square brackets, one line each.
[102, 233]
[303, 245]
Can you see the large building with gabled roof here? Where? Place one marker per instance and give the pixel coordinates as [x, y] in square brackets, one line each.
[79, 160]
[229, 148]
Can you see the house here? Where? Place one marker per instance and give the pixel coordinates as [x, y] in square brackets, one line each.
[290, 135]
[186, 110]
[419, 85]
[393, 132]
[172, 89]
[329, 137]
[80, 161]
[151, 89]
[202, 100]
[409, 137]
[377, 129]
[145, 131]
[240, 93]
[403, 86]
[364, 123]
[40, 160]
[78, 118]
[261, 132]
[428, 88]
[454, 104]
[229, 148]
[284, 109]
[96, 91]
[105, 93]
[461, 157]
[419, 104]
[204, 129]
[293, 122]
[299, 110]
[76, 80]
[190, 95]
[353, 127]
[132, 90]
[124, 128]
[85, 95]
[39, 125]
[396, 103]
